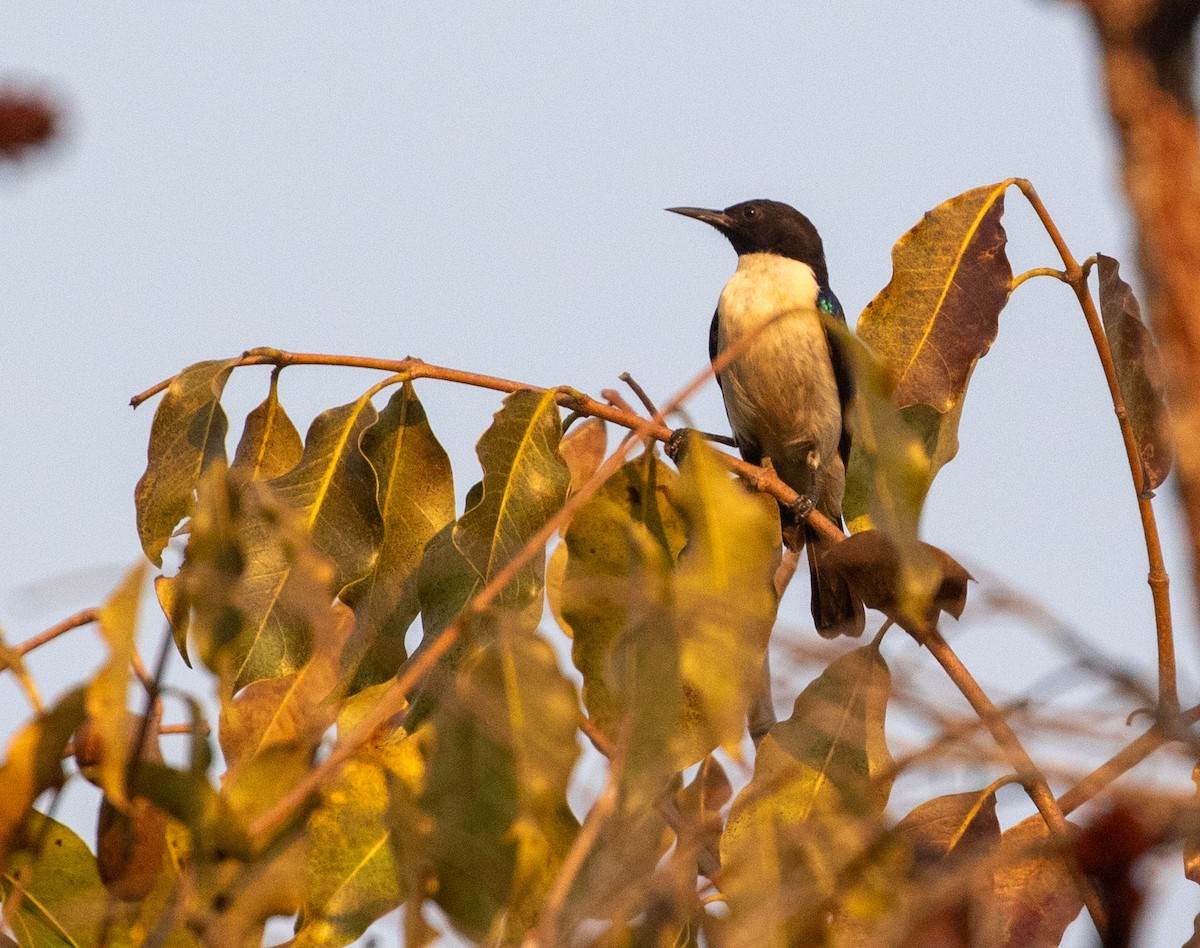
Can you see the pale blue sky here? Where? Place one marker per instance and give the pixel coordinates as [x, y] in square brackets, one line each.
[482, 186]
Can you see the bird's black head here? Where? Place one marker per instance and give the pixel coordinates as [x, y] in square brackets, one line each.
[767, 227]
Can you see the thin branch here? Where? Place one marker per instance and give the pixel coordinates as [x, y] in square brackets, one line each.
[1124, 760]
[1031, 777]
[600, 813]
[640, 392]
[81, 618]
[761, 479]
[1076, 277]
[1037, 272]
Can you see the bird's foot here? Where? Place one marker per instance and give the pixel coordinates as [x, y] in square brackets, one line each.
[675, 447]
[803, 505]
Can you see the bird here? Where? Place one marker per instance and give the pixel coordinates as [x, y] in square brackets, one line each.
[787, 394]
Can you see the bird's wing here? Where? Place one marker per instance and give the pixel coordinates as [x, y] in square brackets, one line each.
[828, 304]
[712, 339]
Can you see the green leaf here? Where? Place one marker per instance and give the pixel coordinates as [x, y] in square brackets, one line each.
[940, 313]
[416, 499]
[188, 434]
[504, 746]
[1139, 371]
[216, 829]
[525, 481]
[363, 839]
[821, 781]
[64, 899]
[270, 444]
[334, 487]
[34, 764]
[108, 692]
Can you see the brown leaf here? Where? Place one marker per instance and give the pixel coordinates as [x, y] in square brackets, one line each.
[700, 804]
[1108, 851]
[950, 823]
[940, 313]
[869, 563]
[270, 445]
[1191, 845]
[583, 448]
[1139, 371]
[131, 841]
[1034, 896]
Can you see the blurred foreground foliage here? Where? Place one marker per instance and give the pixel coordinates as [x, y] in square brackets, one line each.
[355, 778]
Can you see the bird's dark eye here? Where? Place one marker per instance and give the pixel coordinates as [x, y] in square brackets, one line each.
[750, 212]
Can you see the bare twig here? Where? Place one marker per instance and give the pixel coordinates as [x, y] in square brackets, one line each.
[81, 618]
[642, 397]
[1076, 277]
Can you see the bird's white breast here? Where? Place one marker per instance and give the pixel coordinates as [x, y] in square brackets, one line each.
[780, 393]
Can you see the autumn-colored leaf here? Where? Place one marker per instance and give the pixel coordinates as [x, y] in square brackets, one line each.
[291, 711]
[821, 781]
[724, 596]
[525, 480]
[364, 844]
[107, 694]
[583, 449]
[333, 486]
[870, 564]
[63, 904]
[132, 840]
[888, 479]
[1034, 897]
[947, 824]
[215, 828]
[34, 763]
[270, 444]
[187, 435]
[700, 804]
[1191, 845]
[940, 313]
[503, 749]
[1139, 371]
[416, 499]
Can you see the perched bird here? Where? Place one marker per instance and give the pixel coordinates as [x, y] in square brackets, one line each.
[786, 394]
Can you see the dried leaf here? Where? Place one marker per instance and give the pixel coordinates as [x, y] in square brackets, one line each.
[64, 901]
[132, 840]
[1034, 897]
[700, 804]
[583, 449]
[416, 499]
[870, 564]
[187, 435]
[107, 694]
[34, 764]
[821, 781]
[1191, 845]
[270, 444]
[1139, 371]
[947, 824]
[940, 313]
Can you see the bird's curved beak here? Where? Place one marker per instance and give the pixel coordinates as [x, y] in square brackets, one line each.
[718, 219]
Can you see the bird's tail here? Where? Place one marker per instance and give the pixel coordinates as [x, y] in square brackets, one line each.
[835, 609]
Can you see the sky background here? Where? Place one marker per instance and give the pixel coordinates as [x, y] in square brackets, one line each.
[482, 185]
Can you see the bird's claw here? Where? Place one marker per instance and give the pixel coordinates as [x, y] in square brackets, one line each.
[675, 447]
[802, 506]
